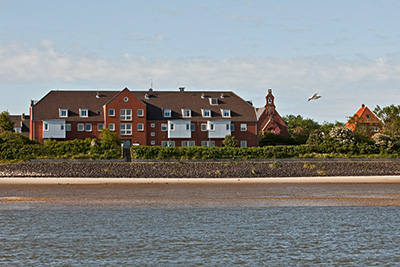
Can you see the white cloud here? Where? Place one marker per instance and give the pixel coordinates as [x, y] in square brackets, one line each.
[344, 84]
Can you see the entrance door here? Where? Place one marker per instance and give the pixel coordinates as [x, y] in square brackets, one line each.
[126, 143]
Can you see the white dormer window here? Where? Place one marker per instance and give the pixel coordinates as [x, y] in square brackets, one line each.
[226, 113]
[186, 113]
[206, 113]
[167, 113]
[213, 101]
[83, 112]
[63, 113]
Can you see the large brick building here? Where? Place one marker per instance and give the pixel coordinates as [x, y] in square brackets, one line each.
[166, 118]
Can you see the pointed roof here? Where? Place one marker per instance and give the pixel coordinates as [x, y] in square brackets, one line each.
[363, 115]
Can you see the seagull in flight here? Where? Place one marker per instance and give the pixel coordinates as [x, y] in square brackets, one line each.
[314, 97]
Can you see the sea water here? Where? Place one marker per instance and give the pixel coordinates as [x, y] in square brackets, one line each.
[73, 235]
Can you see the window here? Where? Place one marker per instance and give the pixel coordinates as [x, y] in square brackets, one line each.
[18, 129]
[368, 116]
[153, 134]
[81, 127]
[211, 126]
[153, 143]
[62, 127]
[232, 127]
[208, 143]
[140, 112]
[111, 112]
[167, 113]
[83, 112]
[46, 126]
[172, 127]
[140, 127]
[203, 127]
[126, 129]
[243, 127]
[192, 127]
[187, 127]
[63, 113]
[152, 125]
[243, 143]
[214, 101]
[269, 100]
[226, 113]
[228, 126]
[100, 127]
[125, 114]
[186, 113]
[68, 127]
[168, 143]
[164, 127]
[187, 143]
[88, 127]
[126, 99]
[111, 126]
[206, 113]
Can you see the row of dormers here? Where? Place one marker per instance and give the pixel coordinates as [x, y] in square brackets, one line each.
[126, 114]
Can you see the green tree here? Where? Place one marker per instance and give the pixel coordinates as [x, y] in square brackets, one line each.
[5, 121]
[390, 117]
[230, 141]
[300, 128]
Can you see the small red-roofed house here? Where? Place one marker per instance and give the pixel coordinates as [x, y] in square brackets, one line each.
[365, 120]
[269, 119]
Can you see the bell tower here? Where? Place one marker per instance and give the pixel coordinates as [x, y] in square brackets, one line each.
[269, 100]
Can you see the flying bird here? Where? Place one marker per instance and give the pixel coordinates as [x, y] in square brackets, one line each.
[314, 97]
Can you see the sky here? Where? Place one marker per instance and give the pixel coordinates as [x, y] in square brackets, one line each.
[347, 51]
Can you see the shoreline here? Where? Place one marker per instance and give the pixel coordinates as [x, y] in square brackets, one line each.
[263, 180]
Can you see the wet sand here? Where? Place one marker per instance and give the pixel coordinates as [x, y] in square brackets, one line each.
[184, 193]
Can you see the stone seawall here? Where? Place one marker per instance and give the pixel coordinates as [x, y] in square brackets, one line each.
[228, 169]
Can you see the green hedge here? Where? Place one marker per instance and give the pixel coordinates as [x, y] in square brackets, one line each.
[301, 151]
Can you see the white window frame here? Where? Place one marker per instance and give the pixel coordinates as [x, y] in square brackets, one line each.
[208, 143]
[83, 113]
[211, 126]
[80, 127]
[153, 125]
[111, 127]
[152, 143]
[167, 113]
[172, 126]
[45, 126]
[269, 100]
[165, 143]
[88, 127]
[68, 127]
[153, 134]
[188, 143]
[164, 127]
[111, 112]
[125, 114]
[63, 113]
[243, 143]
[226, 113]
[140, 127]
[243, 127]
[140, 112]
[125, 129]
[232, 127]
[206, 113]
[100, 127]
[186, 113]
[204, 127]
[214, 101]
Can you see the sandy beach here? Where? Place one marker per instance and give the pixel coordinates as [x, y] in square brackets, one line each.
[201, 192]
[269, 180]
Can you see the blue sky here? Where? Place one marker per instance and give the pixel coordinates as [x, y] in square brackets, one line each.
[346, 50]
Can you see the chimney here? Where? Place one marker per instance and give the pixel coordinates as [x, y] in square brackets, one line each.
[362, 105]
[181, 89]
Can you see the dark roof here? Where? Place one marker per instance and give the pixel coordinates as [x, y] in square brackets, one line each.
[195, 101]
[21, 121]
[48, 107]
